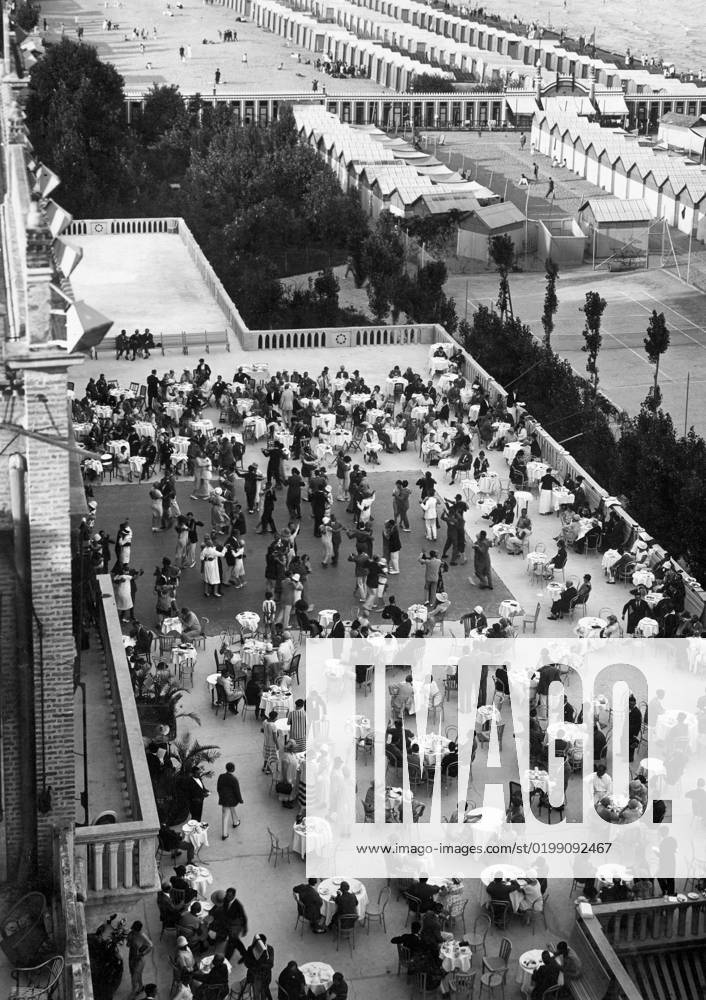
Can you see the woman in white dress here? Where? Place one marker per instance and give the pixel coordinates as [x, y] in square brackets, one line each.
[122, 581]
[326, 541]
[210, 568]
[202, 478]
[156, 507]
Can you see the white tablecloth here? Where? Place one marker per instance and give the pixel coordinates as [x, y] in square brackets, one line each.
[438, 364]
[313, 835]
[510, 609]
[417, 612]
[667, 720]
[485, 714]
[419, 412]
[196, 834]
[489, 483]
[174, 410]
[572, 732]
[511, 449]
[318, 976]
[529, 960]
[433, 747]
[589, 626]
[115, 447]
[248, 621]
[201, 426]
[396, 435]
[508, 872]
[647, 628]
[606, 873]
[182, 654]
[80, 430]
[535, 471]
[455, 957]
[537, 779]
[180, 445]
[199, 878]
[258, 424]
[329, 888]
[274, 701]
[136, 463]
[327, 421]
[560, 497]
[643, 578]
[359, 397]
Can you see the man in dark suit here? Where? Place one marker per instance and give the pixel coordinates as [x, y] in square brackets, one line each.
[229, 797]
[338, 630]
[312, 903]
[545, 975]
[218, 976]
[195, 792]
[499, 890]
[425, 894]
[346, 906]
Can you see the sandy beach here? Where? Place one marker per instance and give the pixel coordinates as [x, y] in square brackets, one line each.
[674, 32]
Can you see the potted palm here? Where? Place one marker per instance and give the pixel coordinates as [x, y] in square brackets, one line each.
[185, 755]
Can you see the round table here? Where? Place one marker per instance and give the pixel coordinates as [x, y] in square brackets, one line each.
[648, 628]
[438, 364]
[206, 963]
[212, 680]
[667, 720]
[523, 499]
[535, 471]
[433, 746]
[455, 957]
[572, 732]
[606, 873]
[586, 627]
[326, 617]
[312, 835]
[183, 654]
[643, 578]
[653, 767]
[489, 483]
[510, 609]
[537, 779]
[361, 726]
[511, 449]
[199, 878]
[485, 818]
[328, 889]
[509, 873]
[417, 612]
[276, 700]
[251, 652]
[561, 498]
[537, 559]
[484, 714]
[653, 597]
[396, 435]
[318, 977]
[528, 962]
[196, 834]
[248, 620]
[554, 590]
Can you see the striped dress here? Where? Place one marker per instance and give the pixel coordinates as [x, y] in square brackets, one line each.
[269, 747]
[297, 728]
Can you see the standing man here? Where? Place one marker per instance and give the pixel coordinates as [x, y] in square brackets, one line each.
[139, 947]
[153, 385]
[217, 77]
[229, 797]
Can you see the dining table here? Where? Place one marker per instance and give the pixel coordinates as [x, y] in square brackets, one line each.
[535, 471]
[573, 733]
[324, 421]
[248, 621]
[318, 977]
[313, 835]
[647, 628]
[508, 873]
[485, 818]
[329, 888]
[510, 608]
[116, 446]
[257, 425]
[199, 878]
[527, 963]
[538, 780]
[251, 652]
[326, 617]
[206, 963]
[606, 873]
[433, 746]
[561, 498]
[667, 720]
[643, 578]
[103, 412]
[486, 713]
[196, 833]
[511, 449]
[455, 957]
[590, 626]
[276, 699]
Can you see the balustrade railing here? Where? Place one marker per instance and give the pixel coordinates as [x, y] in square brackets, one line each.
[121, 856]
[653, 924]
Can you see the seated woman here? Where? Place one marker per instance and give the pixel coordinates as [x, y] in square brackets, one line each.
[612, 629]
[497, 514]
[514, 543]
[518, 469]
[558, 560]
[438, 612]
[371, 446]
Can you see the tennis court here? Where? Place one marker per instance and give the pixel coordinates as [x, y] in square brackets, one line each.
[625, 373]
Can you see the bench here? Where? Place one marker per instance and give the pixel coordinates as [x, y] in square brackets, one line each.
[203, 340]
[594, 980]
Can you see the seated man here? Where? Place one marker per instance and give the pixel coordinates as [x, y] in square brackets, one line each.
[230, 692]
[312, 904]
[191, 626]
[179, 883]
[170, 840]
[449, 762]
[192, 925]
[425, 893]
[218, 976]
[346, 906]
[169, 914]
[603, 808]
[438, 612]
[564, 603]
[545, 976]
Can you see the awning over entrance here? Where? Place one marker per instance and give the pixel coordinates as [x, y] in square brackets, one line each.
[85, 327]
[612, 104]
[522, 104]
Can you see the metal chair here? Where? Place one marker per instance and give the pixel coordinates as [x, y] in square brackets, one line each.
[464, 984]
[376, 912]
[457, 912]
[294, 666]
[301, 919]
[368, 812]
[537, 909]
[499, 913]
[200, 640]
[499, 963]
[531, 620]
[553, 991]
[368, 682]
[492, 981]
[345, 931]
[419, 985]
[481, 927]
[277, 850]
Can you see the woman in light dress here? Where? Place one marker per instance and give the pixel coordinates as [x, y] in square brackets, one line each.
[123, 544]
[288, 771]
[156, 507]
[326, 541]
[122, 581]
[270, 752]
[429, 510]
[202, 478]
